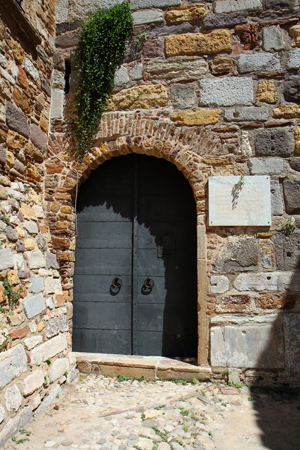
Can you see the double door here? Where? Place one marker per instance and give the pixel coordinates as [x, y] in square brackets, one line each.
[135, 283]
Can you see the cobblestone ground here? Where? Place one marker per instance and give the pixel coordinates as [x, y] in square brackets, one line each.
[98, 413]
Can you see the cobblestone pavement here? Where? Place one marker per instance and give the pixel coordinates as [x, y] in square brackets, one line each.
[98, 413]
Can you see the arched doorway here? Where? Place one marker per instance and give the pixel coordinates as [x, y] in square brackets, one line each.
[135, 283]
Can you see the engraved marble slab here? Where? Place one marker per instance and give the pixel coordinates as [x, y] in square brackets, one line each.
[239, 201]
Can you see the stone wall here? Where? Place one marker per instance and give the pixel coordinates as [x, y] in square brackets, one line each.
[35, 314]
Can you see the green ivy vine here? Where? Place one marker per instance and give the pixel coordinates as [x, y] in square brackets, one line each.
[101, 47]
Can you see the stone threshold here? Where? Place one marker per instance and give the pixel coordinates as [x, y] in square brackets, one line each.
[150, 367]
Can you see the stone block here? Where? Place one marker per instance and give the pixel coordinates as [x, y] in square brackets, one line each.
[36, 259]
[258, 62]
[11, 234]
[239, 254]
[293, 61]
[230, 6]
[14, 424]
[286, 111]
[291, 189]
[18, 334]
[227, 21]
[31, 227]
[33, 341]
[38, 138]
[198, 117]
[148, 16]
[233, 304]
[57, 104]
[62, 10]
[49, 399]
[182, 95]
[219, 284]
[27, 212]
[270, 166]
[37, 284]
[147, 96]
[257, 282]
[217, 347]
[275, 301]
[52, 285]
[31, 69]
[291, 89]
[181, 68]
[276, 199]
[56, 325]
[136, 72]
[247, 113]
[13, 398]
[292, 341]
[279, 4]
[287, 251]
[167, 30]
[13, 362]
[121, 77]
[33, 382]
[49, 349]
[186, 13]
[142, 4]
[226, 91]
[59, 367]
[72, 375]
[6, 259]
[272, 39]
[16, 119]
[198, 44]
[221, 65]
[2, 413]
[51, 261]
[275, 142]
[34, 305]
[153, 48]
[295, 164]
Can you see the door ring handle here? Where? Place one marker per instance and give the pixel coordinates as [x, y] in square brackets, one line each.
[117, 283]
[148, 283]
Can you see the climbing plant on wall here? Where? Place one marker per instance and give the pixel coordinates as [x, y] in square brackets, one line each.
[101, 47]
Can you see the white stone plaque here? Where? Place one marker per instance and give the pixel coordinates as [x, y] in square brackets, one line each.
[239, 201]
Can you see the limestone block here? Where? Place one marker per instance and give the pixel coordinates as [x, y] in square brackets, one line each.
[56, 325]
[33, 341]
[293, 61]
[226, 91]
[224, 21]
[292, 341]
[258, 62]
[291, 190]
[72, 375]
[270, 166]
[30, 244]
[6, 259]
[33, 382]
[228, 6]
[38, 138]
[62, 10]
[49, 349]
[28, 212]
[13, 362]
[221, 65]
[287, 251]
[166, 30]
[247, 113]
[16, 119]
[198, 117]
[58, 80]
[59, 367]
[238, 254]
[291, 89]
[57, 104]
[217, 347]
[182, 95]
[51, 261]
[186, 13]
[153, 48]
[276, 199]
[14, 424]
[121, 77]
[286, 111]
[147, 96]
[272, 39]
[31, 227]
[198, 44]
[37, 284]
[275, 142]
[142, 4]
[34, 305]
[49, 399]
[136, 72]
[31, 69]
[219, 284]
[13, 398]
[148, 16]
[36, 259]
[256, 281]
[180, 68]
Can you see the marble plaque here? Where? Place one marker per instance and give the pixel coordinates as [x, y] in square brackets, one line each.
[239, 201]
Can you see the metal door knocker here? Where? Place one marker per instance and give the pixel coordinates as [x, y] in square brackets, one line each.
[116, 285]
[147, 286]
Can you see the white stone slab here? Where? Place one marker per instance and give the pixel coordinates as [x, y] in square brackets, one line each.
[237, 201]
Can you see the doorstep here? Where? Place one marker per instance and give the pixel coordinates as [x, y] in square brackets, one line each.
[138, 366]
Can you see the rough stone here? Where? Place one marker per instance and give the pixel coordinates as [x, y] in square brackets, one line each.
[136, 72]
[31, 227]
[275, 142]
[62, 10]
[51, 261]
[142, 4]
[233, 304]
[270, 166]
[275, 301]
[182, 68]
[286, 111]
[31, 69]
[258, 62]
[23, 274]
[147, 96]
[293, 61]
[56, 325]
[14, 424]
[221, 65]
[36, 259]
[226, 91]
[37, 137]
[52, 285]
[37, 284]
[49, 349]
[2, 413]
[27, 212]
[217, 348]
[287, 251]
[18, 334]
[186, 13]
[33, 341]
[268, 281]
[59, 367]
[33, 382]
[239, 254]
[13, 398]
[198, 117]
[272, 39]
[49, 399]
[16, 119]
[279, 4]
[13, 362]
[167, 30]
[230, 6]
[121, 77]
[276, 199]
[297, 139]
[248, 35]
[224, 21]
[6, 259]
[182, 95]
[295, 164]
[244, 113]
[219, 284]
[12, 234]
[295, 33]
[198, 44]
[148, 16]
[34, 305]
[153, 48]
[292, 341]
[291, 89]
[30, 244]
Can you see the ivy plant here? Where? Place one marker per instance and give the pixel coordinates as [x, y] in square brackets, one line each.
[101, 46]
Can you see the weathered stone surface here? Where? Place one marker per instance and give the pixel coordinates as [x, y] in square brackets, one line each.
[287, 251]
[297, 139]
[272, 39]
[34, 305]
[198, 117]
[14, 424]
[62, 10]
[82, 9]
[217, 348]
[181, 68]
[49, 399]
[221, 65]
[67, 40]
[182, 95]
[72, 375]
[57, 104]
[275, 142]
[27, 212]
[276, 199]
[239, 254]
[293, 61]
[248, 35]
[3, 193]
[13, 398]
[244, 113]
[59, 300]
[279, 4]
[56, 325]
[295, 33]
[37, 284]
[198, 44]
[16, 119]
[59, 367]
[148, 16]
[121, 77]
[6, 259]
[291, 190]
[219, 284]
[12, 234]
[275, 301]
[33, 341]
[37, 137]
[186, 13]
[230, 6]
[224, 21]
[233, 304]
[31, 227]
[52, 285]
[286, 111]
[226, 91]
[2, 413]
[258, 62]
[270, 166]
[147, 96]
[292, 341]
[295, 164]
[49, 349]
[33, 382]
[36, 259]
[51, 261]
[268, 281]
[291, 89]
[31, 69]
[167, 30]
[13, 362]
[18, 334]
[153, 48]
[142, 4]
[23, 274]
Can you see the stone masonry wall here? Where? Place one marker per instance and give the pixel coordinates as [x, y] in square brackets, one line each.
[35, 313]
[213, 87]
